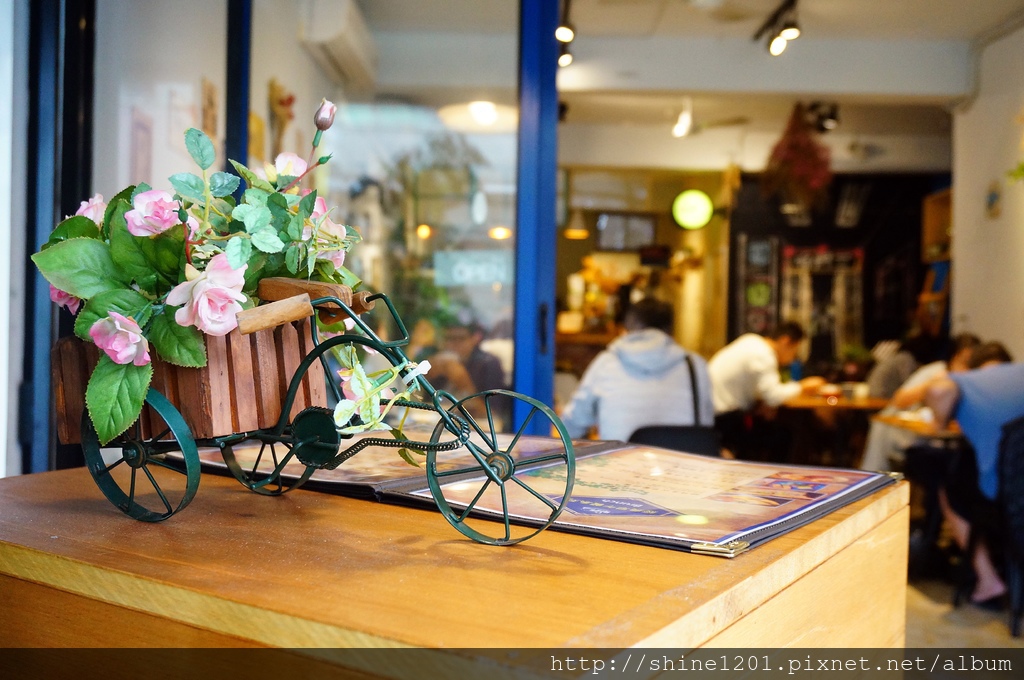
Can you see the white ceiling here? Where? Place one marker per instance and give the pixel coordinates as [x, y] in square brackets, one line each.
[647, 21]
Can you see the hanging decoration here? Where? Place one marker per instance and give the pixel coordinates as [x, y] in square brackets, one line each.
[798, 166]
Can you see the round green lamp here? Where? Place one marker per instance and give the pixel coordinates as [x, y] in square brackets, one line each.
[692, 209]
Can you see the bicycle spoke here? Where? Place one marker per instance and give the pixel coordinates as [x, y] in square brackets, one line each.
[161, 435]
[504, 512]
[106, 470]
[159, 491]
[490, 419]
[476, 426]
[544, 499]
[472, 503]
[131, 489]
[459, 471]
[522, 430]
[167, 466]
[542, 459]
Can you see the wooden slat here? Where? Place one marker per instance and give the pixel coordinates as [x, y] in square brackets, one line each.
[245, 414]
[288, 359]
[220, 385]
[268, 389]
[194, 399]
[316, 388]
[68, 380]
[163, 383]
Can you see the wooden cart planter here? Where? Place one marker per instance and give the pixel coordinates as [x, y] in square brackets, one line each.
[268, 382]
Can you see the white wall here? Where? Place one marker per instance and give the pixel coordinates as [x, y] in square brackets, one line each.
[988, 253]
[152, 78]
[13, 105]
[652, 146]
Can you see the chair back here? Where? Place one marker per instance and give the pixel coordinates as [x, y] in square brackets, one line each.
[688, 438]
[1011, 482]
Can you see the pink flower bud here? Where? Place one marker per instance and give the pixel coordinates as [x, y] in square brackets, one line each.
[122, 339]
[93, 209]
[67, 300]
[324, 117]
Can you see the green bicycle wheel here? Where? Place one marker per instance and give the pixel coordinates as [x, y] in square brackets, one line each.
[502, 487]
[135, 473]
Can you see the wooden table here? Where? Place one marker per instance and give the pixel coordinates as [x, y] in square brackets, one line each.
[316, 570]
[922, 428]
[845, 416]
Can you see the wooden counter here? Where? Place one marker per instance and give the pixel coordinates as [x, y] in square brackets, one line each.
[316, 570]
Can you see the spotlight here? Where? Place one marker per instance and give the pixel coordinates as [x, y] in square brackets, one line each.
[790, 29]
[565, 31]
[565, 58]
[780, 27]
[685, 121]
[777, 45]
[824, 116]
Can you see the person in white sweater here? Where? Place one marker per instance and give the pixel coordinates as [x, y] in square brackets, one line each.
[642, 378]
[744, 375]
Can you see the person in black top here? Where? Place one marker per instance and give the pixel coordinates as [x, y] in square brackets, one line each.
[463, 339]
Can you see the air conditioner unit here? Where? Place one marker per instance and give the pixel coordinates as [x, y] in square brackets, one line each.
[336, 36]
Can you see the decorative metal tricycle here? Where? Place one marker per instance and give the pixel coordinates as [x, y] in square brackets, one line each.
[237, 398]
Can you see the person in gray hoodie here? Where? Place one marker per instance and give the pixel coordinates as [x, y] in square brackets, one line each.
[642, 378]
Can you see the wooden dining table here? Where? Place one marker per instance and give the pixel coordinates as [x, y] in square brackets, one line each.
[829, 429]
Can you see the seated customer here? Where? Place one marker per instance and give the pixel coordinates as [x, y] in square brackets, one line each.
[981, 401]
[890, 373]
[886, 442]
[642, 378]
[744, 374]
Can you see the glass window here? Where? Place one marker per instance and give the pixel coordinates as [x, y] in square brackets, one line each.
[423, 153]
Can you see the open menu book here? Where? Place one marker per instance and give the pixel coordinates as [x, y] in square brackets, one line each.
[627, 492]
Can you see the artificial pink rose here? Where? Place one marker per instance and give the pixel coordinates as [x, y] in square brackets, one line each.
[122, 339]
[93, 209]
[210, 298]
[154, 213]
[65, 299]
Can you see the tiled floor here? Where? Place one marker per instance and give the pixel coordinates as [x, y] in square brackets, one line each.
[932, 621]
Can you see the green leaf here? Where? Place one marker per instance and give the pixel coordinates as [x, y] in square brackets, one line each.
[123, 301]
[80, 266]
[78, 226]
[296, 225]
[284, 180]
[125, 195]
[200, 148]
[256, 197]
[268, 241]
[254, 217]
[255, 271]
[238, 251]
[223, 184]
[140, 188]
[188, 186]
[291, 259]
[278, 207]
[176, 344]
[308, 204]
[252, 179]
[153, 262]
[115, 395]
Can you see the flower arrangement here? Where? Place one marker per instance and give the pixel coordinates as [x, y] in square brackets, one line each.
[153, 271]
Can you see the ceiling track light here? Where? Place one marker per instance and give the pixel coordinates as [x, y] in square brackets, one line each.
[564, 56]
[780, 27]
[684, 124]
[566, 32]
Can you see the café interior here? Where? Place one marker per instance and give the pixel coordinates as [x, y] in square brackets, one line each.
[857, 177]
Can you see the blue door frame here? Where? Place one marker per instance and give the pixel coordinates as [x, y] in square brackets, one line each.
[536, 237]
